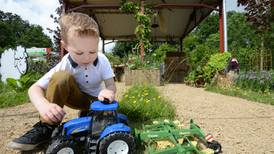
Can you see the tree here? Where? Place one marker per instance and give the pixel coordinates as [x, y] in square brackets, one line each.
[12, 27]
[123, 49]
[14, 31]
[240, 33]
[243, 39]
[258, 13]
[34, 37]
[207, 27]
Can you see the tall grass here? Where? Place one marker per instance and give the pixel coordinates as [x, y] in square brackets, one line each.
[254, 86]
[144, 103]
[248, 94]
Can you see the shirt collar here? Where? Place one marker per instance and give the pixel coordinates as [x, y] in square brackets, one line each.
[74, 64]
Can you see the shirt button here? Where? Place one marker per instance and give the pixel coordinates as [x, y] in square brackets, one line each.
[86, 81]
[86, 75]
[86, 68]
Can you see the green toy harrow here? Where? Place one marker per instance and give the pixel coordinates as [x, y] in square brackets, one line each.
[168, 137]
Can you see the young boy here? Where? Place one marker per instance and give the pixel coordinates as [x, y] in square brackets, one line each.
[74, 82]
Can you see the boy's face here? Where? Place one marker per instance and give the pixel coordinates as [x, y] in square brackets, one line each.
[82, 49]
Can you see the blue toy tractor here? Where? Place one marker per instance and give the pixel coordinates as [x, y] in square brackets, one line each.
[102, 131]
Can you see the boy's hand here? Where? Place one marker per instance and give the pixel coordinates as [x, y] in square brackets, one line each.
[51, 113]
[106, 93]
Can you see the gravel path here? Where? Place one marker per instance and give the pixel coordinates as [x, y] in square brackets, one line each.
[241, 126]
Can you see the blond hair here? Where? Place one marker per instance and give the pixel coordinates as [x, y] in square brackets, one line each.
[79, 23]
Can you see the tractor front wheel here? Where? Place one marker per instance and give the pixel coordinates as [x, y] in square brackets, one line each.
[62, 146]
[117, 143]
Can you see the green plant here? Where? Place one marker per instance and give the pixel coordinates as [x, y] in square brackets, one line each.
[203, 74]
[256, 81]
[249, 94]
[24, 82]
[143, 29]
[195, 77]
[216, 63]
[114, 59]
[10, 97]
[152, 60]
[135, 62]
[159, 54]
[143, 103]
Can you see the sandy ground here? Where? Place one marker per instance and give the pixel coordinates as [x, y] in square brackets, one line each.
[241, 126]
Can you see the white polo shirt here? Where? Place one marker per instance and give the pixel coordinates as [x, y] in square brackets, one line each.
[89, 78]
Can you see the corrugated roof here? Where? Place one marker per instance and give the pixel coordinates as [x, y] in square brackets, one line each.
[175, 19]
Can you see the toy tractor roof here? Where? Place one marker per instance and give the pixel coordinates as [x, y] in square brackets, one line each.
[175, 19]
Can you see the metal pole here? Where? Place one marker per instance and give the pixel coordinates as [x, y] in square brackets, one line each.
[225, 26]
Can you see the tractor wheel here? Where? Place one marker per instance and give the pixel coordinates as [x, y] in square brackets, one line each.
[117, 143]
[216, 146]
[40, 149]
[62, 146]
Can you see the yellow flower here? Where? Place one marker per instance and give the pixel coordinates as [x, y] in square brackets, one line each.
[147, 101]
[134, 101]
[159, 97]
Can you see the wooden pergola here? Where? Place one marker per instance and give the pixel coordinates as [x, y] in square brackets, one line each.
[175, 18]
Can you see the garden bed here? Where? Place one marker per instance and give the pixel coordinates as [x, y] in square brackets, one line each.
[143, 76]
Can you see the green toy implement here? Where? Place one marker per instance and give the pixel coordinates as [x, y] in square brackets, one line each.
[168, 137]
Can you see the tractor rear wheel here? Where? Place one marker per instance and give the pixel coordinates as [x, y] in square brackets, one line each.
[117, 143]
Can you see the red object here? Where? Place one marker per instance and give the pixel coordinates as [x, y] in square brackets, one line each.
[209, 138]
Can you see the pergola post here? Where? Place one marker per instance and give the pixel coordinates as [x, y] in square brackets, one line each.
[221, 26]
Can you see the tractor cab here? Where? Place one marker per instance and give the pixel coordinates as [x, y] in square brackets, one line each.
[104, 114]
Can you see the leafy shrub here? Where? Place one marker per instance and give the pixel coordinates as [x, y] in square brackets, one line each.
[24, 82]
[216, 63]
[203, 74]
[143, 103]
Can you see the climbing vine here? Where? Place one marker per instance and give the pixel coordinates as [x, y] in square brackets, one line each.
[143, 28]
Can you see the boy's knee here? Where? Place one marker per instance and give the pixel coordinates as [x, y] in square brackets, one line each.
[61, 77]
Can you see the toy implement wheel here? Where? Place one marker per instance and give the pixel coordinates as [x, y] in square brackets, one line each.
[216, 146]
[117, 143]
[62, 146]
